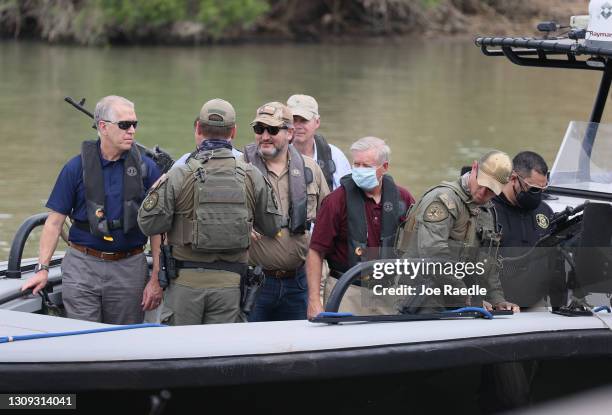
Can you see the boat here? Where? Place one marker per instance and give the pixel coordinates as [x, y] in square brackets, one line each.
[414, 365]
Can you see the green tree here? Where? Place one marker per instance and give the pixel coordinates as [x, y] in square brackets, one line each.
[220, 15]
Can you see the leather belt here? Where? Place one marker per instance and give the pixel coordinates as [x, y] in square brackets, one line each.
[281, 273]
[108, 256]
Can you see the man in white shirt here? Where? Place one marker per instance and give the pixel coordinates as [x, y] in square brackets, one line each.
[306, 120]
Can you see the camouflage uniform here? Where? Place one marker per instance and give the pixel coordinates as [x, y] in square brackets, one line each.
[446, 225]
[208, 208]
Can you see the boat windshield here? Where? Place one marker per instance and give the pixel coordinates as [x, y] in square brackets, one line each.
[584, 162]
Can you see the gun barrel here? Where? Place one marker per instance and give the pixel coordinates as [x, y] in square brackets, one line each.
[78, 106]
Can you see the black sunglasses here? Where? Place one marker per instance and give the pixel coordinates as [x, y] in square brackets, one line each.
[124, 125]
[260, 128]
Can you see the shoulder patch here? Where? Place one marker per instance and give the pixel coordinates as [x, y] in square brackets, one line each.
[448, 202]
[150, 201]
[435, 212]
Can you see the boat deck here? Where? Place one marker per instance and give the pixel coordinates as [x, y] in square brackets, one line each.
[225, 340]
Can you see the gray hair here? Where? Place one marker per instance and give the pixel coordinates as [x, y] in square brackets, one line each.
[105, 108]
[367, 143]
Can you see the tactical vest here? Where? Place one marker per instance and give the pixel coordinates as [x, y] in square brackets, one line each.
[134, 170]
[393, 208]
[300, 177]
[324, 159]
[220, 220]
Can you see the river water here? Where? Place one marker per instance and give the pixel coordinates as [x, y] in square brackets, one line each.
[438, 103]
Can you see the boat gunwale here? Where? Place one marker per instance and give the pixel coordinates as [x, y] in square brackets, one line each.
[303, 366]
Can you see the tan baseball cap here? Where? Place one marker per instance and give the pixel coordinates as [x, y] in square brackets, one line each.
[303, 106]
[494, 169]
[274, 114]
[220, 108]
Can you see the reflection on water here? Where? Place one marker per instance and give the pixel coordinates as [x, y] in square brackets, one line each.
[439, 104]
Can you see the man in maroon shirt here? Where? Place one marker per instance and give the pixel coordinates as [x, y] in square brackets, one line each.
[360, 217]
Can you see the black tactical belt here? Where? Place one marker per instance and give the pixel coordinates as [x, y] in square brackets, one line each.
[216, 265]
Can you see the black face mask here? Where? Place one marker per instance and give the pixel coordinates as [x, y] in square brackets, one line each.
[528, 200]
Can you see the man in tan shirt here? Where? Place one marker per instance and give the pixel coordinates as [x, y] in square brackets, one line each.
[300, 187]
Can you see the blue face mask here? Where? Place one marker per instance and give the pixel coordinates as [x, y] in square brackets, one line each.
[365, 177]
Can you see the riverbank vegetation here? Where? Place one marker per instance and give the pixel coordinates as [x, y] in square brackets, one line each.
[100, 22]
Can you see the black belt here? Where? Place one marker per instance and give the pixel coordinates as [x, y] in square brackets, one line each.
[237, 268]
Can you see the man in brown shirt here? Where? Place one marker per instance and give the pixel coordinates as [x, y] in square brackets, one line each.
[300, 187]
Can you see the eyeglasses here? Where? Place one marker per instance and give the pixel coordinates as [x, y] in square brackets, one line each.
[260, 128]
[530, 187]
[124, 125]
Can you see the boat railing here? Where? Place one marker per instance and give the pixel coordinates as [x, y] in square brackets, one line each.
[14, 268]
[344, 282]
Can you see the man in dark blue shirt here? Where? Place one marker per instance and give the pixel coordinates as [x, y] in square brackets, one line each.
[526, 279]
[104, 272]
[524, 219]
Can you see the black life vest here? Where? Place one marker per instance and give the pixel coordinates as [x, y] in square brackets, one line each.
[393, 208]
[526, 279]
[522, 227]
[324, 160]
[300, 177]
[134, 170]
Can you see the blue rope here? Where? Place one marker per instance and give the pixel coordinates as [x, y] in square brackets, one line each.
[483, 312]
[601, 308]
[334, 314]
[9, 339]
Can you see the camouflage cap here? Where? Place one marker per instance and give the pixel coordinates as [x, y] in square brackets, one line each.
[494, 169]
[303, 106]
[274, 114]
[220, 108]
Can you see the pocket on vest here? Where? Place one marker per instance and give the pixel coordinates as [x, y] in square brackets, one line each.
[215, 235]
[221, 222]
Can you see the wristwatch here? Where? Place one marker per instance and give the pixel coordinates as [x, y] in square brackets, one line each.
[40, 267]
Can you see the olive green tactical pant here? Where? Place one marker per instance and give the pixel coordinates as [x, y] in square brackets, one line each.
[187, 305]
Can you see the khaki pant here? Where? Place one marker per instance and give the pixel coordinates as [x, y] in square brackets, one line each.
[360, 301]
[188, 305]
[94, 289]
